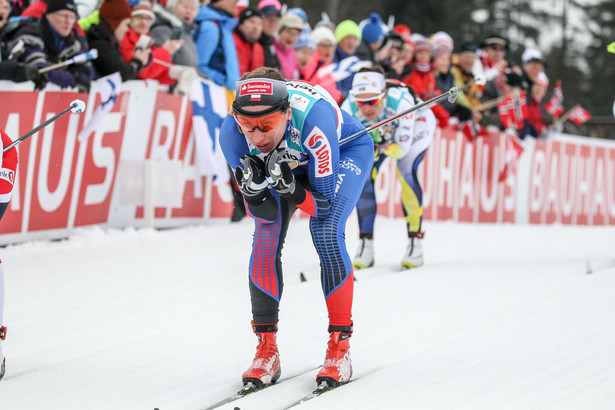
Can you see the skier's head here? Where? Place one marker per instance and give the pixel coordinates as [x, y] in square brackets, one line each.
[368, 91]
[261, 107]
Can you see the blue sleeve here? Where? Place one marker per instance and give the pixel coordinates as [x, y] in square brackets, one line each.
[207, 39]
[319, 136]
[351, 126]
[232, 142]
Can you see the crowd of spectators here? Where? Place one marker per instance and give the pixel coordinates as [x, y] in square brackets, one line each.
[175, 41]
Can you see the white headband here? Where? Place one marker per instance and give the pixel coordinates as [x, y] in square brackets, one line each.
[368, 82]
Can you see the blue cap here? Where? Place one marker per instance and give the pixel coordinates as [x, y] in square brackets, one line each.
[299, 12]
[372, 30]
[305, 40]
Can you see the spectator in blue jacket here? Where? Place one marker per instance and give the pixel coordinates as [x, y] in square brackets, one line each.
[215, 44]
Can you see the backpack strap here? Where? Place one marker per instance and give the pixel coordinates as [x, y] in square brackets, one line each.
[217, 23]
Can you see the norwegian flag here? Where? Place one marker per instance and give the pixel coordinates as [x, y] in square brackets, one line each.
[554, 106]
[513, 110]
[514, 149]
[578, 115]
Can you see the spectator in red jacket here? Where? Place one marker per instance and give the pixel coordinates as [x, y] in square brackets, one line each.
[422, 80]
[246, 34]
[535, 123]
[142, 18]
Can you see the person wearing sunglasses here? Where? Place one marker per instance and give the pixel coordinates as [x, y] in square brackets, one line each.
[406, 139]
[282, 140]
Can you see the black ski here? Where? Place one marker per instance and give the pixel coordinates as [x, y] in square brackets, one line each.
[250, 388]
[323, 387]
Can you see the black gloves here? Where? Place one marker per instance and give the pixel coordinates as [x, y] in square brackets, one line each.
[29, 72]
[253, 185]
[281, 178]
[257, 177]
[251, 179]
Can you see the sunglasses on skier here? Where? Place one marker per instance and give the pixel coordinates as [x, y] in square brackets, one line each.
[264, 123]
[372, 101]
[263, 120]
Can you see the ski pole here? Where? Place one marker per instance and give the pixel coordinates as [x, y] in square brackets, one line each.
[76, 106]
[81, 58]
[451, 95]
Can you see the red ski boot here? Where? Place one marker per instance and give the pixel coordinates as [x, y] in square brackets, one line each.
[337, 368]
[265, 368]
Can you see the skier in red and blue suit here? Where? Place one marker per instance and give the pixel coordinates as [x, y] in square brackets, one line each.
[282, 140]
[8, 167]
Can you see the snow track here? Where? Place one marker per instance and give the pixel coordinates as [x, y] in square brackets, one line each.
[500, 317]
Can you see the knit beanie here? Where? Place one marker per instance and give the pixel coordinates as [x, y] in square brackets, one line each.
[441, 43]
[421, 42]
[404, 31]
[321, 34]
[114, 12]
[57, 5]
[247, 13]
[144, 8]
[372, 30]
[347, 28]
[305, 40]
[299, 12]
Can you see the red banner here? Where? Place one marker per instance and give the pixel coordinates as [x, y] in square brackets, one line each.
[62, 184]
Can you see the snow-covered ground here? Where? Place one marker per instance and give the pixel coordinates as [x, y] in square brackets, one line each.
[500, 317]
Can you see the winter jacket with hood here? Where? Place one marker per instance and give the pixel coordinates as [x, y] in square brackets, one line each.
[217, 55]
